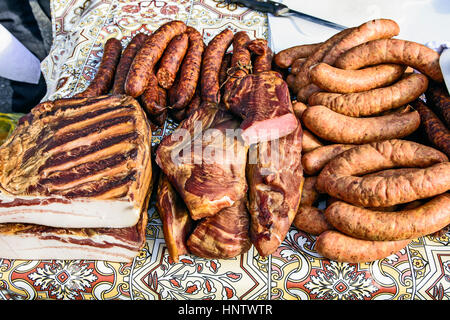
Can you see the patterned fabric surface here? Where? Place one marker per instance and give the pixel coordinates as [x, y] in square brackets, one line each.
[421, 271]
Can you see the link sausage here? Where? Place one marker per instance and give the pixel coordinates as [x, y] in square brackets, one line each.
[370, 30]
[436, 131]
[405, 52]
[342, 248]
[439, 100]
[151, 51]
[299, 108]
[310, 141]
[342, 176]
[125, 62]
[286, 57]
[337, 80]
[190, 70]
[311, 220]
[366, 224]
[309, 192]
[302, 77]
[296, 65]
[104, 77]
[171, 60]
[212, 60]
[338, 128]
[304, 93]
[240, 61]
[373, 101]
[315, 160]
[154, 98]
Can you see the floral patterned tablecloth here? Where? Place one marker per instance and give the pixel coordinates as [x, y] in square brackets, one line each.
[421, 271]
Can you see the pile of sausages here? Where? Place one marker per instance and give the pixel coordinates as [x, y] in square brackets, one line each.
[358, 98]
[171, 71]
[161, 70]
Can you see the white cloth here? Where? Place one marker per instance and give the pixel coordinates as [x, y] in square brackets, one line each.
[16, 61]
[419, 20]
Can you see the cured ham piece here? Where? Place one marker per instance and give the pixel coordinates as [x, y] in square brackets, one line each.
[77, 163]
[177, 223]
[275, 178]
[204, 159]
[223, 236]
[262, 100]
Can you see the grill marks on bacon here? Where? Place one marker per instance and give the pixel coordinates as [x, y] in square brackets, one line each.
[94, 151]
[67, 177]
[99, 187]
[80, 181]
[90, 152]
[89, 127]
[97, 128]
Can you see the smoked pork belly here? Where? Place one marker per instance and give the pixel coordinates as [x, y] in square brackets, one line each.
[37, 242]
[77, 163]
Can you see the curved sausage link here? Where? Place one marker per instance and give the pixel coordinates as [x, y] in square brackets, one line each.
[190, 70]
[144, 63]
[125, 62]
[104, 78]
[171, 60]
[212, 60]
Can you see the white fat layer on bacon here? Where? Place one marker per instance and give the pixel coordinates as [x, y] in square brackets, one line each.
[27, 247]
[74, 213]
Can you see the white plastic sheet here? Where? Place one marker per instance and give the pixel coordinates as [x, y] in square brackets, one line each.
[16, 61]
[419, 20]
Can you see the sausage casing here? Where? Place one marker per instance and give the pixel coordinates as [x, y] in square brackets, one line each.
[190, 70]
[151, 51]
[368, 224]
[373, 101]
[125, 62]
[240, 61]
[339, 247]
[103, 80]
[212, 60]
[339, 128]
[171, 60]
[405, 52]
[342, 177]
[437, 132]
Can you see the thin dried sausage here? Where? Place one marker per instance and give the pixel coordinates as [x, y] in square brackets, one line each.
[125, 62]
[171, 60]
[190, 70]
[436, 131]
[286, 57]
[315, 160]
[212, 60]
[337, 80]
[104, 77]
